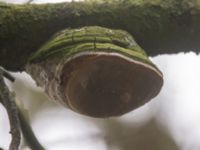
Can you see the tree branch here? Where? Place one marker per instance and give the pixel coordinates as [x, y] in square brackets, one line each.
[160, 27]
[7, 99]
[28, 133]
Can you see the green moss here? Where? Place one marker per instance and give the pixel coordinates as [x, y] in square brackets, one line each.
[198, 4]
[90, 39]
[87, 35]
[158, 26]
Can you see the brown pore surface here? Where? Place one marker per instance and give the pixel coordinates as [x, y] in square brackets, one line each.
[104, 85]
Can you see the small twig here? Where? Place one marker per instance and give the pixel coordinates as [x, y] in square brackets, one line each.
[8, 101]
[29, 1]
[7, 75]
[16, 117]
[28, 133]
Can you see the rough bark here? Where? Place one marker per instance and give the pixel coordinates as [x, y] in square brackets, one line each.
[160, 27]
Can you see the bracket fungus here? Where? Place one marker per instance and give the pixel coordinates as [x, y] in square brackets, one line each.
[95, 71]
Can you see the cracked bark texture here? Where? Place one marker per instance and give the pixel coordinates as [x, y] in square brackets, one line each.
[159, 27]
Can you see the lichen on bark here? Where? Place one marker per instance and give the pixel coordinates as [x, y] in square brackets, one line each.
[93, 38]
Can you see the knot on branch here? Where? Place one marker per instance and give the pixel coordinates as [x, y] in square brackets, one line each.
[95, 71]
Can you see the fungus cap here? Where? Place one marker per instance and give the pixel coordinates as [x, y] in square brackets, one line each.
[108, 84]
[96, 71]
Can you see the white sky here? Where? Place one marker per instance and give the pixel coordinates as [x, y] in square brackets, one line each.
[180, 98]
[178, 108]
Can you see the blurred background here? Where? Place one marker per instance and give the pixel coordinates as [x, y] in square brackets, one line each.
[171, 121]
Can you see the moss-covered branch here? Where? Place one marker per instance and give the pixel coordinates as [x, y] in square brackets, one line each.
[166, 26]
